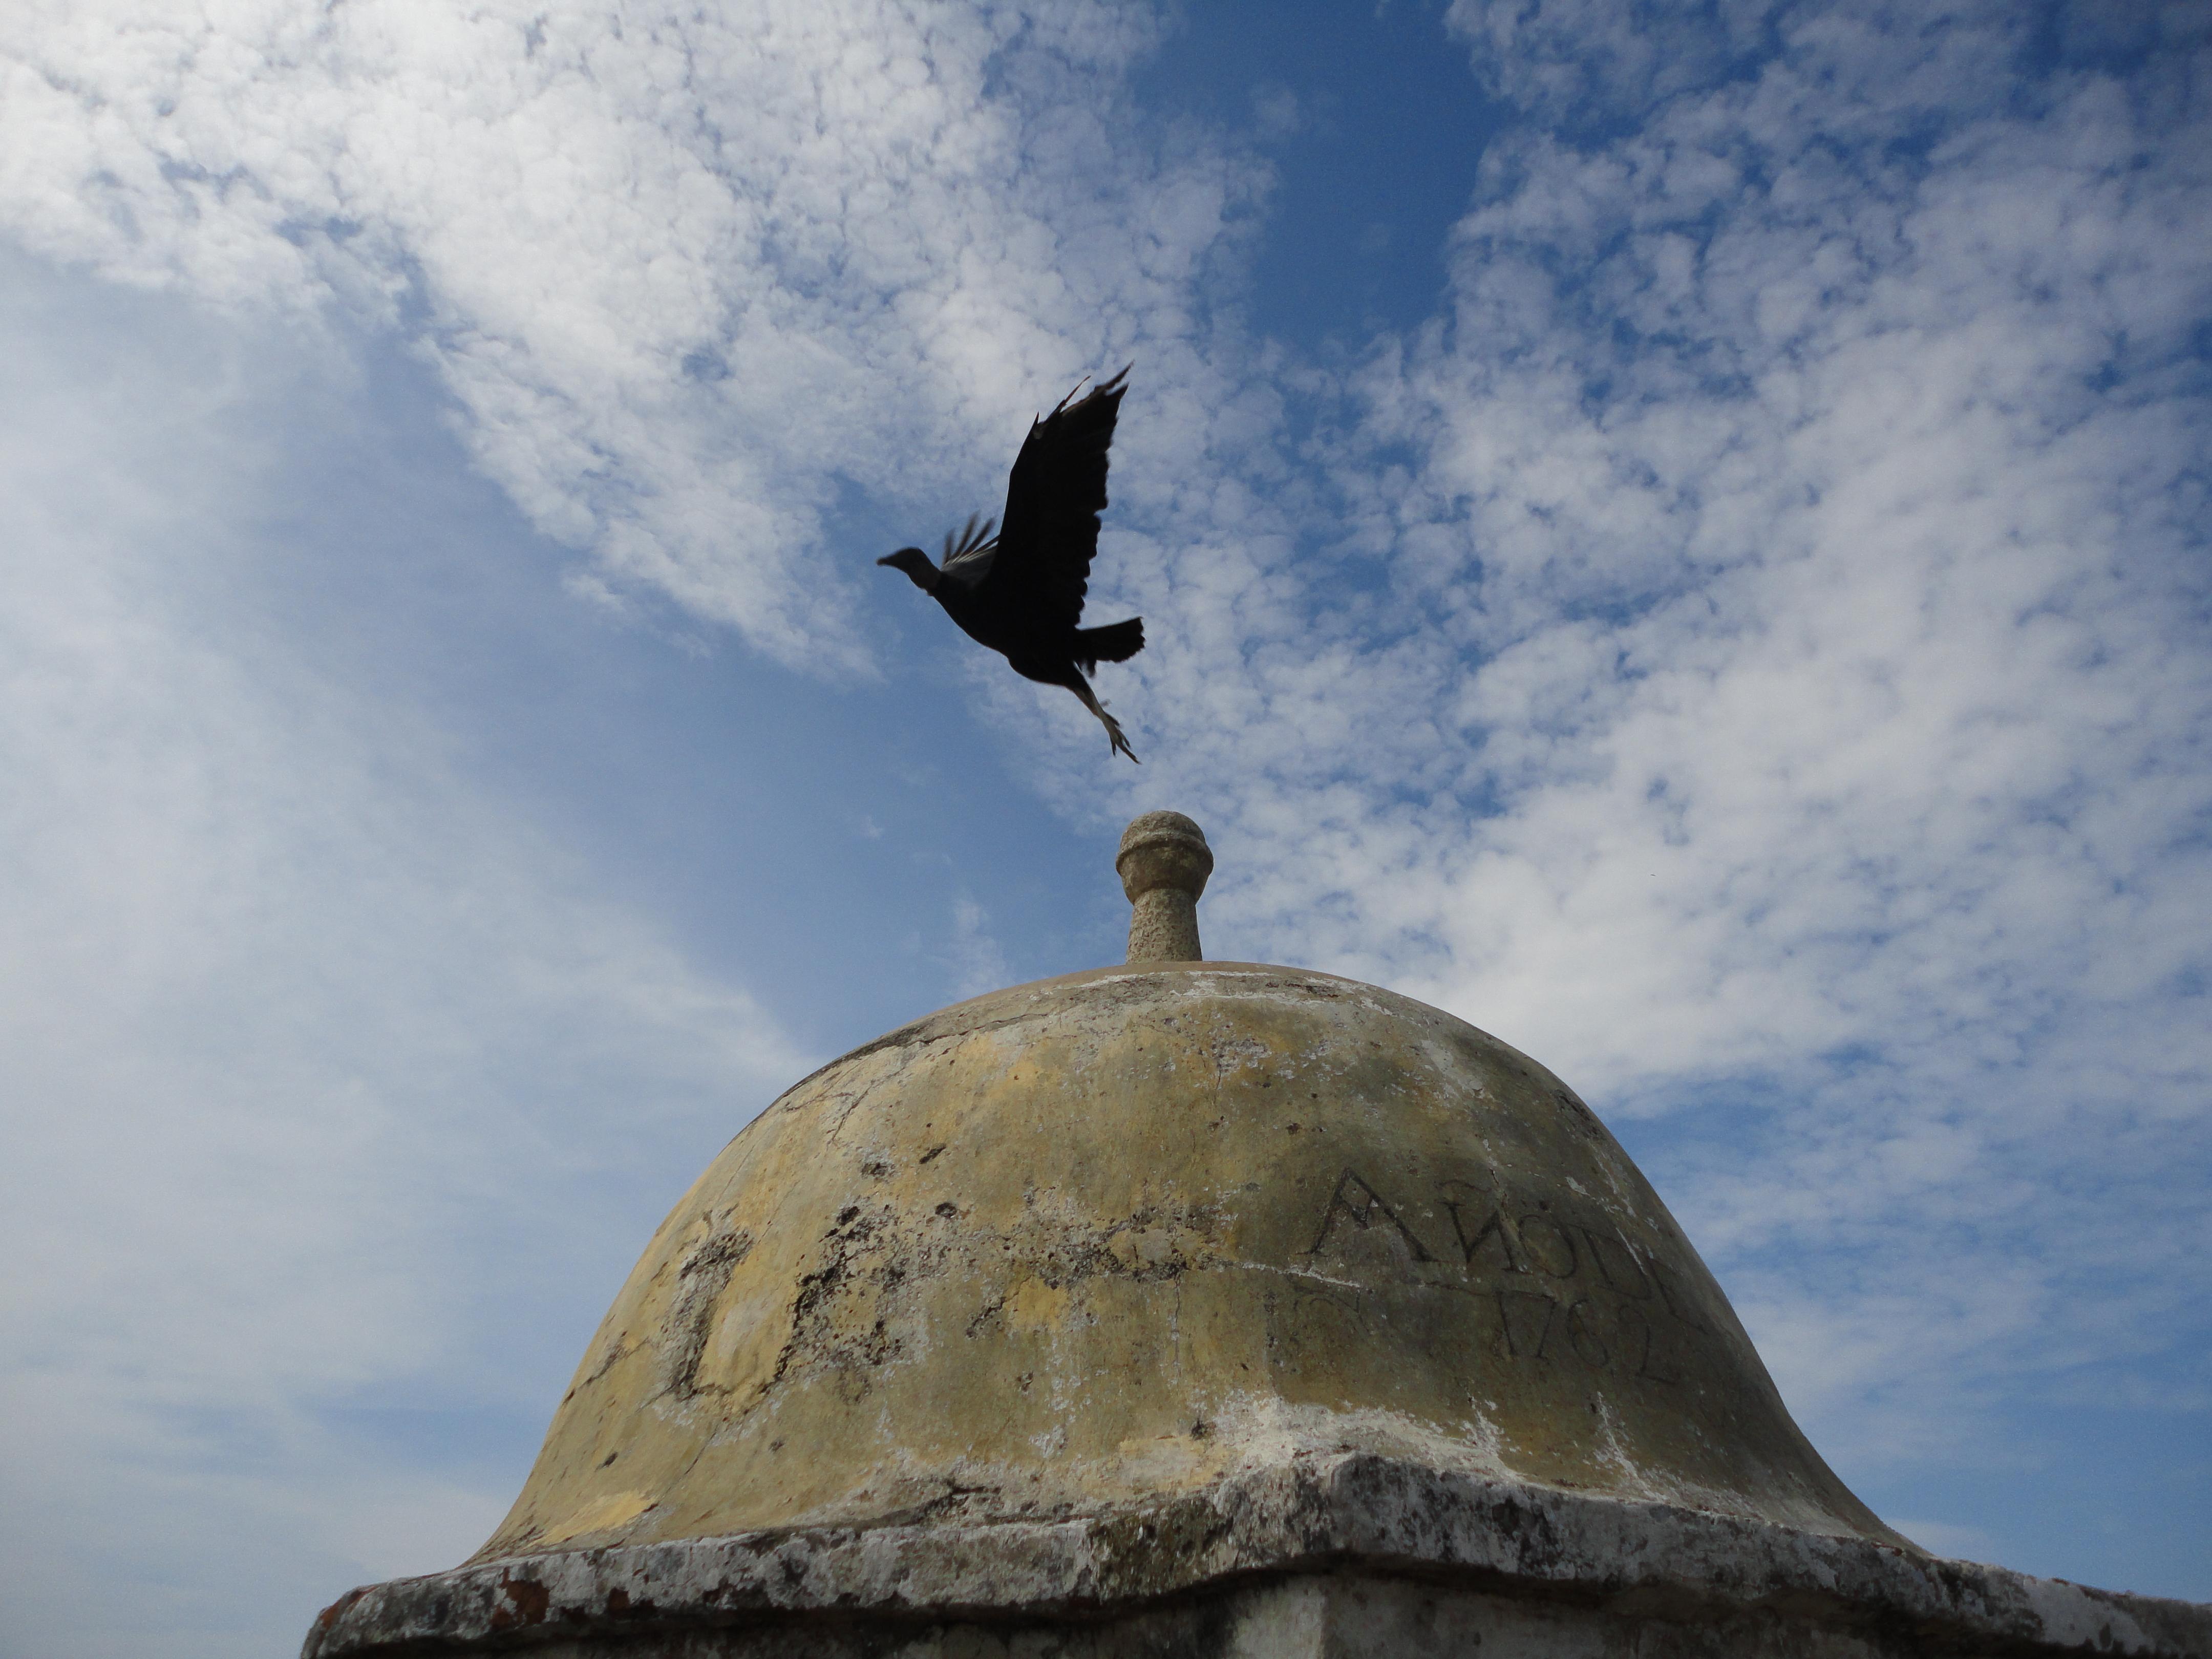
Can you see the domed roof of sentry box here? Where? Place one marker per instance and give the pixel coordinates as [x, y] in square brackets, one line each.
[1121, 1234]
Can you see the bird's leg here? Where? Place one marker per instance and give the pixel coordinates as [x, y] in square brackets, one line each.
[1121, 744]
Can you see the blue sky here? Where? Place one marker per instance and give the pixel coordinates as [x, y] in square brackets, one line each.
[1676, 533]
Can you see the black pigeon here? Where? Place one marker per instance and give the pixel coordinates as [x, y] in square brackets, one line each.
[1021, 591]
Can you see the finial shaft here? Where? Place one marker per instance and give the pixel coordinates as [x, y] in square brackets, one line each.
[1164, 863]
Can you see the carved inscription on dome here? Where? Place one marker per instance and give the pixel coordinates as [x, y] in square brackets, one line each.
[1533, 1281]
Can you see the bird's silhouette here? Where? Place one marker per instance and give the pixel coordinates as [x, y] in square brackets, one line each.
[1021, 591]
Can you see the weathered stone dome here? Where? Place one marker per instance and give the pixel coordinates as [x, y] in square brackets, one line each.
[1210, 1309]
[1118, 1234]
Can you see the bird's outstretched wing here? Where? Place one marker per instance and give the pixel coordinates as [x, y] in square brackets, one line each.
[1057, 489]
[968, 558]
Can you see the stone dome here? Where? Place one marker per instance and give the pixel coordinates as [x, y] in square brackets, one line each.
[1125, 1233]
[1206, 1308]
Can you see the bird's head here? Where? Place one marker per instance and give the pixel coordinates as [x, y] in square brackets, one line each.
[916, 564]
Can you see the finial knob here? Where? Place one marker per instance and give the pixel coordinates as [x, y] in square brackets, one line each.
[1164, 863]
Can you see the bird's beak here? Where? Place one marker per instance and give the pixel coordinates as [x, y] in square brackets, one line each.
[886, 559]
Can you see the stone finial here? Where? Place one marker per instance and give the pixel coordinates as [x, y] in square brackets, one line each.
[1164, 863]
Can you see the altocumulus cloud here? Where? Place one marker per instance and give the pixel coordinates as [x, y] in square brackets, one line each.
[296, 1024]
[687, 272]
[304, 1026]
[1746, 648]
[1757, 658]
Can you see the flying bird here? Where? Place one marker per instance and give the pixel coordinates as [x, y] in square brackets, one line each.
[1021, 591]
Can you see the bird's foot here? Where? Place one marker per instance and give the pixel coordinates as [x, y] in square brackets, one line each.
[1114, 736]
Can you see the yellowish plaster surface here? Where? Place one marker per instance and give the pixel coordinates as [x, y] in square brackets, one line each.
[1120, 1233]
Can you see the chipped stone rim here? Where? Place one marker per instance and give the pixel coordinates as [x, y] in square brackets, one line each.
[1315, 1513]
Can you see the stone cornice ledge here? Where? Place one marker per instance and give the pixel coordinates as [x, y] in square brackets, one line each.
[1316, 1513]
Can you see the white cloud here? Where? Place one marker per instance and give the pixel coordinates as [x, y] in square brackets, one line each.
[299, 1030]
[683, 272]
[1747, 651]
[978, 963]
[1763, 659]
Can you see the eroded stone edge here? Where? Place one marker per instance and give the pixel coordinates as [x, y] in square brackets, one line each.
[1313, 1513]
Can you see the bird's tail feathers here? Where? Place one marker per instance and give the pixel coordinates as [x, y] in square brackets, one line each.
[1116, 643]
